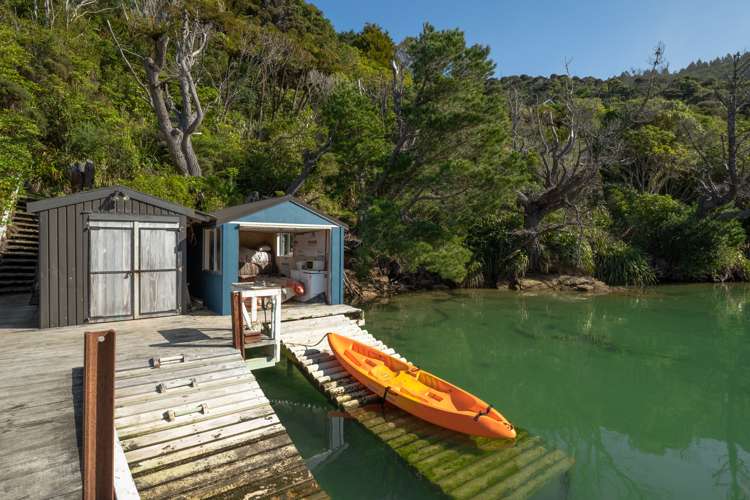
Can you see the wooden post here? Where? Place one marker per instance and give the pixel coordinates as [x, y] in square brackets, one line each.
[238, 332]
[98, 415]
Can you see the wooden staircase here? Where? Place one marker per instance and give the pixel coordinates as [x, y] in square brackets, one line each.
[19, 251]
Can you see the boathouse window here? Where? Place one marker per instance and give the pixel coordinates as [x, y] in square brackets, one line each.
[212, 249]
[284, 245]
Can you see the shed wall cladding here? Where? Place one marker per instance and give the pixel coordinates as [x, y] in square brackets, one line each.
[63, 254]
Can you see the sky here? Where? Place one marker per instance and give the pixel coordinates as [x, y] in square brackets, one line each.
[600, 38]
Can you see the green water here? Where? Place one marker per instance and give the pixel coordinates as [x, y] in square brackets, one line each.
[650, 392]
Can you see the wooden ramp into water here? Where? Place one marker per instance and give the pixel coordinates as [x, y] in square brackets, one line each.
[459, 465]
[196, 425]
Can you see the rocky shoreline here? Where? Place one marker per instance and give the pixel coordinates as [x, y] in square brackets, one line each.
[378, 286]
[556, 283]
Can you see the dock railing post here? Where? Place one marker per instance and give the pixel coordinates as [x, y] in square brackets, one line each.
[98, 415]
[238, 332]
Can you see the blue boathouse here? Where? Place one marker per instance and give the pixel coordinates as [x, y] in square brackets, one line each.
[271, 241]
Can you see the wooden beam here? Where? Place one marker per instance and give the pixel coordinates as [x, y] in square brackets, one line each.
[238, 336]
[98, 415]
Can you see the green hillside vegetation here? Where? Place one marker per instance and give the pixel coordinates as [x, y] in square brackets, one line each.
[433, 162]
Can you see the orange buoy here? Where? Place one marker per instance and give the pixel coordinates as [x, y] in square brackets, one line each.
[297, 287]
[418, 392]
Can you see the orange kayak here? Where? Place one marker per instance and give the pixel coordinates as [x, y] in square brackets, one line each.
[418, 392]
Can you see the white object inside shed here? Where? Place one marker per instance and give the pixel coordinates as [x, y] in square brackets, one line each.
[285, 254]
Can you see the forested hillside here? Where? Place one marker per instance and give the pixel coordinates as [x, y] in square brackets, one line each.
[433, 162]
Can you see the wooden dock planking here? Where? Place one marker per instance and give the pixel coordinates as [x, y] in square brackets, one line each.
[237, 446]
[227, 452]
[294, 311]
[460, 466]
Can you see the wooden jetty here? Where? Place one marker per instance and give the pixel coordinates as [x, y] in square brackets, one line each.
[460, 466]
[191, 418]
[193, 422]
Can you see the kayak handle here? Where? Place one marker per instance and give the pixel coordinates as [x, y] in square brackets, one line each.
[486, 411]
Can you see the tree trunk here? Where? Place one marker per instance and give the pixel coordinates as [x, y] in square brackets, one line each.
[311, 159]
[301, 178]
[191, 160]
[531, 219]
[171, 135]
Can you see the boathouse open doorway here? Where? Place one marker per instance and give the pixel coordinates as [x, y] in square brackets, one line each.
[275, 255]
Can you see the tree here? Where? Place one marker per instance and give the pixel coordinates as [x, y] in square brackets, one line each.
[373, 41]
[655, 157]
[441, 117]
[564, 142]
[177, 121]
[723, 171]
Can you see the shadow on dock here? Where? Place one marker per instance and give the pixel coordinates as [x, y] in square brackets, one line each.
[192, 337]
[76, 391]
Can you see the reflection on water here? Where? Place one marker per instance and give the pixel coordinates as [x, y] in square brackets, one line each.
[649, 391]
[346, 460]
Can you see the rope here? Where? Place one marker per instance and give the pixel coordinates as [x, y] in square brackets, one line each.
[383, 400]
[385, 393]
[486, 411]
[308, 345]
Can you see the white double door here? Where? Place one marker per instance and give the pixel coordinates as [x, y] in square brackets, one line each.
[133, 269]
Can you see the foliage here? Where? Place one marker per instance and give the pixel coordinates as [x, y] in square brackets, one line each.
[373, 42]
[618, 263]
[496, 247]
[569, 252]
[683, 246]
[415, 141]
[205, 193]
[447, 259]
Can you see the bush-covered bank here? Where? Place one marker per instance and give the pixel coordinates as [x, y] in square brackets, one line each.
[455, 177]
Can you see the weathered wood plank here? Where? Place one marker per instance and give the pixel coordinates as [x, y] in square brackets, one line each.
[54, 270]
[189, 475]
[209, 448]
[222, 479]
[189, 382]
[228, 407]
[182, 431]
[201, 438]
[62, 265]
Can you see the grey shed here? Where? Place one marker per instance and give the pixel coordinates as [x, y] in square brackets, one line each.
[111, 254]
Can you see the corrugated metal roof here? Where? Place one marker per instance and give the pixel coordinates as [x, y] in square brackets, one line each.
[238, 211]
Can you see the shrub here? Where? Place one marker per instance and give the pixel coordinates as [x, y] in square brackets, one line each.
[567, 251]
[617, 263]
[448, 259]
[685, 246]
[495, 247]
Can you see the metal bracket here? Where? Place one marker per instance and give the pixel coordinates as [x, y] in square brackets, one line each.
[173, 414]
[190, 382]
[166, 360]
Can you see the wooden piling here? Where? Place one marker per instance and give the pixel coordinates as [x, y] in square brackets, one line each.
[98, 415]
[238, 334]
